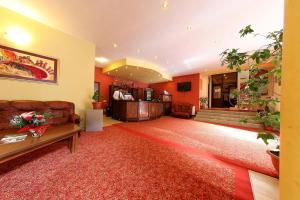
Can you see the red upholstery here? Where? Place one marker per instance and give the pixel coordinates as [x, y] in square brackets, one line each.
[62, 111]
[182, 110]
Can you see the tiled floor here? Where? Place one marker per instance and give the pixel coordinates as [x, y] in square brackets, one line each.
[264, 187]
[108, 121]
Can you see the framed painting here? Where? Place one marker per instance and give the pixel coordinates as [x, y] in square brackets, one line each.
[19, 64]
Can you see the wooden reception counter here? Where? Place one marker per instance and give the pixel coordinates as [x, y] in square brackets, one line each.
[136, 110]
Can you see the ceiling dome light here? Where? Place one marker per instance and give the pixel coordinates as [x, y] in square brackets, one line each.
[17, 36]
[165, 5]
[101, 60]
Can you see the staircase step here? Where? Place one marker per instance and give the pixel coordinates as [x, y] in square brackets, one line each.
[233, 123]
[225, 115]
[227, 112]
[227, 118]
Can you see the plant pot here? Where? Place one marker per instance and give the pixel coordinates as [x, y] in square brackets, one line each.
[268, 128]
[275, 159]
[97, 105]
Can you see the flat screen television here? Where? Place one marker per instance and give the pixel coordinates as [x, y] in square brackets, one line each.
[184, 86]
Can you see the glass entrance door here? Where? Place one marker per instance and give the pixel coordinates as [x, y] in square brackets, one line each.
[223, 86]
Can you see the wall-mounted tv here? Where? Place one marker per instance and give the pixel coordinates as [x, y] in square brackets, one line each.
[184, 86]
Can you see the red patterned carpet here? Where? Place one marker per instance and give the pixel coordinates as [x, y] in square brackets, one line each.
[232, 145]
[129, 162]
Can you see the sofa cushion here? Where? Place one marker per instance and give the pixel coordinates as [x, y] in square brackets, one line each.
[5, 105]
[183, 114]
[58, 105]
[57, 113]
[29, 105]
[182, 110]
[62, 111]
[58, 120]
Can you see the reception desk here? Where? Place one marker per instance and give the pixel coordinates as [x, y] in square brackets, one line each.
[136, 111]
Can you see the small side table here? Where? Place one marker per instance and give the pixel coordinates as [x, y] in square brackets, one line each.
[94, 120]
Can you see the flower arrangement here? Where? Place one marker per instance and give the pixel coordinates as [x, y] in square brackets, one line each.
[32, 122]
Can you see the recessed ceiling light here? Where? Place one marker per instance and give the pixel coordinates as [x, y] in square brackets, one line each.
[115, 45]
[101, 60]
[165, 5]
[189, 27]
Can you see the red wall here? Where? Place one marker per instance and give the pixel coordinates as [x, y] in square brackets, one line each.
[191, 97]
[105, 81]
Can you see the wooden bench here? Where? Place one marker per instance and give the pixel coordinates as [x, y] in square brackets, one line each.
[54, 134]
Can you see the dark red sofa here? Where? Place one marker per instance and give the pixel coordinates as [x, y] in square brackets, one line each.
[182, 110]
[62, 111]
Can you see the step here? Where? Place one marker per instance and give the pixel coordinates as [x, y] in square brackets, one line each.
[235, 119]
[249, 125]
[225, 115]
[227, 112]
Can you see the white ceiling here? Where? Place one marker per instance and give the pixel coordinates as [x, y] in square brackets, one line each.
[143, 30]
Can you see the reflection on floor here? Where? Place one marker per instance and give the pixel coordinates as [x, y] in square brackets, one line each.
[264, 187]
[108, 121]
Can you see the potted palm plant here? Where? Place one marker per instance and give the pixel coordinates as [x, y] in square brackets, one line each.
[273, 151]
[97, 103]
[258, 81]
[203, 102]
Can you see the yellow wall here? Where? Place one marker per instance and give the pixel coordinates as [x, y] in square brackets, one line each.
[75, 64]
[290, 109]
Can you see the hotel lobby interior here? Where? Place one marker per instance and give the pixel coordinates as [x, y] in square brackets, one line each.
[158, 99]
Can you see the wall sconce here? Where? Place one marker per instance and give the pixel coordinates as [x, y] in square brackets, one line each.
[17, 36]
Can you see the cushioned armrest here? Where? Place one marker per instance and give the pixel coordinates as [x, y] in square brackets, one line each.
[75, 119]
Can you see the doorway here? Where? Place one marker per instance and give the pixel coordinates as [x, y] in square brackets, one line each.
[223, 87]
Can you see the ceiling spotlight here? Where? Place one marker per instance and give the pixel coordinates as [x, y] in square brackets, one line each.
[115, 45]
[101, 60]
[165, 5]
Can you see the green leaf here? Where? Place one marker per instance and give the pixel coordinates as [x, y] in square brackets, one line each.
[265, 137]
[245, 31]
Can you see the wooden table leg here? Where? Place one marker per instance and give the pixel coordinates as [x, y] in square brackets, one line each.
[72, 142]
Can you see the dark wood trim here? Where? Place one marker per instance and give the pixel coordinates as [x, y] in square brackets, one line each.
[63, 132]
